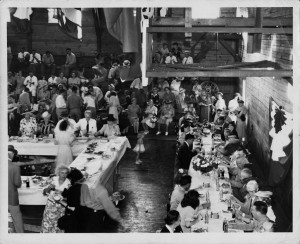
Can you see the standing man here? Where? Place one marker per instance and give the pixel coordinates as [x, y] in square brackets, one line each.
[74, 104]
[48, 63]
[186, 152]
[35, 61]
[14, 182]
[70, 62]
[31, 82]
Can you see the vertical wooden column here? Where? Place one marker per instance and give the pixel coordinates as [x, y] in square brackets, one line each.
[258, 23]
[146, 51]
[188, 23]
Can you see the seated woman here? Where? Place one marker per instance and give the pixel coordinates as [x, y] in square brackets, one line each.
[230, 146]
[46, 126]
[133, 113]
[150, 116]
[169, 96]
[53, 210]
[109, 129]
[154, 96]
[172, 223]
[189, 209]
[167, 113]
[232, 131]
[28, 126]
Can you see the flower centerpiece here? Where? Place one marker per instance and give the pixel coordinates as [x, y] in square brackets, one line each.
[203, 163]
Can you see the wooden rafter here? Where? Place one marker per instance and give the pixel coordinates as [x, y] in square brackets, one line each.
[283, 31]
[230, 50]
[228, 22]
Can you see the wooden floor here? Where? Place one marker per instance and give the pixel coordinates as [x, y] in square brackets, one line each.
[146, 188]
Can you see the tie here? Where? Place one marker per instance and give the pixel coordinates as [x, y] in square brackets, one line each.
[185, 61]
[87, 126]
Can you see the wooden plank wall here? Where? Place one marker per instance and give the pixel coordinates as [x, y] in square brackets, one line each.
[48, 36]
[277, 48]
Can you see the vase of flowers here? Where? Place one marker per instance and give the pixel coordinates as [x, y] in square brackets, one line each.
[202, 163]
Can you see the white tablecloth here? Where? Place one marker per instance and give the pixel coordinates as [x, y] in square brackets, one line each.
[45, 149]
[217, 206]
[102, 169]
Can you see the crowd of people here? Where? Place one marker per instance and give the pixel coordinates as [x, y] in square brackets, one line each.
[94, 101]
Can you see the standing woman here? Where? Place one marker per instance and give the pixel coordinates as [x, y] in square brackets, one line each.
[241, 113]
[133, 115]
[64, 139]
[53, 211]
[220, 104]
[114, 106]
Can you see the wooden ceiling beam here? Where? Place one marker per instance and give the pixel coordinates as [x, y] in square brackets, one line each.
[229, 22]
[221, 73]
[283, 31]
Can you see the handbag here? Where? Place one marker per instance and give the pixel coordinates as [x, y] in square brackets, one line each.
[66, 220]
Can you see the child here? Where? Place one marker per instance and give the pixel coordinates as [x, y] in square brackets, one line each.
[139, 148]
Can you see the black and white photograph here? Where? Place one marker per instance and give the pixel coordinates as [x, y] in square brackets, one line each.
[125, 122]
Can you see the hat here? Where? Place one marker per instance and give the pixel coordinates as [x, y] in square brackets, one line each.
[179, 78]
[88, 111]
[11, 148]
[263, 194]
[11, 107]
[64, 114]
[126, 63]
[111, 117]
[220, 93]
[150, 100]
[112, 86]
[241, 101]
[60, 85]
[45, 114]
[181, 90]
[168, 102]
[186, 51]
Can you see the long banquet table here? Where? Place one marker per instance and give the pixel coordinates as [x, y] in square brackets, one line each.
[216, 205]
[100, 170]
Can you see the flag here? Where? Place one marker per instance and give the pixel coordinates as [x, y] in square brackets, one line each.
[20, 17]
[69, 20]
[281, 143]
[124, 24]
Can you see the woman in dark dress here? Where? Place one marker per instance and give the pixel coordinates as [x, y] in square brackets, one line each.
[172, 223]
[75, 212]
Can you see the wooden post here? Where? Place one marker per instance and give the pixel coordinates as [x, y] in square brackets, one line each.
[188, 23]
[257, 37]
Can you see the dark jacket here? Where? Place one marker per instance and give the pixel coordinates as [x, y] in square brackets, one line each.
[184, 156]
[14, 182]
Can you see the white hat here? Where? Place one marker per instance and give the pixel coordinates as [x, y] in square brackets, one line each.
[126, 63]
[263, 194]
[45, 114]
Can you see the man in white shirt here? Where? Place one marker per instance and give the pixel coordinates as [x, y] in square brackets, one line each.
[179, 191]
[52, 79]
[65, 116]
[87, 126]
[70, 63]
[35, 61]
[171, 59]
[31, 82]
[187, 59]
[47, 63]
[22, 55]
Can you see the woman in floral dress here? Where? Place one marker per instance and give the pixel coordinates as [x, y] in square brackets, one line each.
[28, 125]
[54, 210]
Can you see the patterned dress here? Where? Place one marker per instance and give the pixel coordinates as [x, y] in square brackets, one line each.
[28, 127]
[53, 210]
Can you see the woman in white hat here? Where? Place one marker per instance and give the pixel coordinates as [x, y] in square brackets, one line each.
[28, 126]
[46, 126]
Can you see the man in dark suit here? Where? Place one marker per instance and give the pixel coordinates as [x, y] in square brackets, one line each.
[186, 152]
[14, 182]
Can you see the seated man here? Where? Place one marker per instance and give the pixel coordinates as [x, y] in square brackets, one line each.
[171, 59]
[260, 222]
[188, 59]
[86, 126]
[48, 63]
[35, 61]
[70, 62]
[166, 116]
[179, 191]
[23, 59]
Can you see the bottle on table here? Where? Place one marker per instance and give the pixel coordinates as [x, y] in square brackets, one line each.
[221, 194]
[27, 182]
[225, 225]
[206, 217]
[229, 204]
